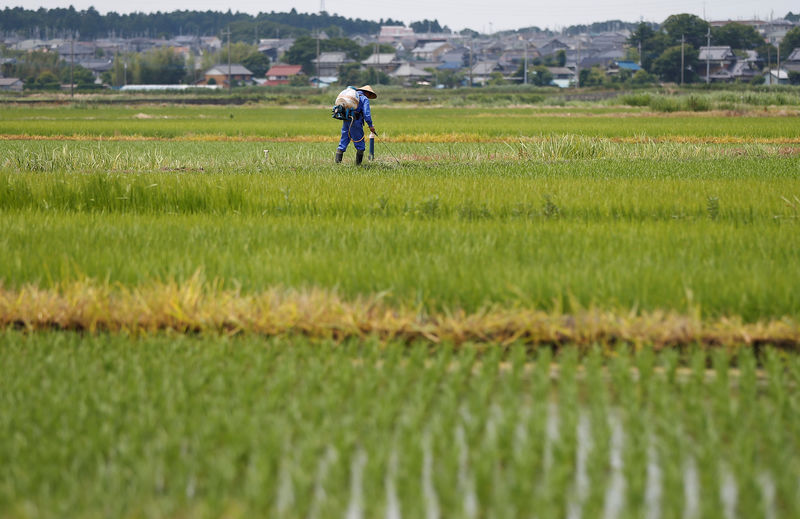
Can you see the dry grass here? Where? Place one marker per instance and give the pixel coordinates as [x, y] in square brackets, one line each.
[198, 306]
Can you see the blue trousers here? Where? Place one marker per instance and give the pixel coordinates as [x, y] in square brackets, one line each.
[354, 131]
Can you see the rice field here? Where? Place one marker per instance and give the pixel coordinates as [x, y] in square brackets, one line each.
[586, 311]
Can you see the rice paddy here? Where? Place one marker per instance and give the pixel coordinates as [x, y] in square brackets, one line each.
[534, 311]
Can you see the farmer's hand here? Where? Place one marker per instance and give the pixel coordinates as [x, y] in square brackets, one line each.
[373, 130]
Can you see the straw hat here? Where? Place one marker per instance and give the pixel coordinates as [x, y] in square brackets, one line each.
[368, 91]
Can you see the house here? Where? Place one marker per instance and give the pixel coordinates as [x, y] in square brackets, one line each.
[397, 34]
[13, 84]
[551, 47]
[720, 59]
[409, 73]
[274, 48]
[329, 62]
[792, 63]
[562, 77]
[218, 75]
[385, 62]
[97, 66]
[483, 70]
[431, 50]
[777, 77]
[78, 51]
[282, 74]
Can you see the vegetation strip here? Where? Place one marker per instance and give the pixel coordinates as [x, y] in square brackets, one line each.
[197, 306]
[404, 138]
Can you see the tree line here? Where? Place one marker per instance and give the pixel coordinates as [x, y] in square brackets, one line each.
[90, 24]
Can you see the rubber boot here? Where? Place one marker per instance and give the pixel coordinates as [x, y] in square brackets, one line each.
[359, 157]
[338, 157]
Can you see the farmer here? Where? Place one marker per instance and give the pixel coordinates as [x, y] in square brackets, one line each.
[354, 130]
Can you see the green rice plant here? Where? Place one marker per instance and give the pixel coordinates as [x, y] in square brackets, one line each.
[200, 426]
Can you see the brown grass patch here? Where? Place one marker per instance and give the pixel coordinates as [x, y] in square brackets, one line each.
[197, 306]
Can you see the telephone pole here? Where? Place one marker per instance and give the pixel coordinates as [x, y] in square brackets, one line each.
[319, 83]
[470, 60]
[708, 56]
[683, 40]
[525, 66]
[71, 65]
[230, 79]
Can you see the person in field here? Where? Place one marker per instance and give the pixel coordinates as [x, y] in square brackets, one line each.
[354, 130]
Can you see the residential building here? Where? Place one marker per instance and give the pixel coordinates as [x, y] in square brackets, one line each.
[410, 73]
[431, 50]
[13, 84]
[792, 63]
[219, 75]
[385, 62]
[483, 70]
[562, 77]
[282, 74]
[720, 60]
[329, 63]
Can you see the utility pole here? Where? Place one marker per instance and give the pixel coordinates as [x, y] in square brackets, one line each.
[578, 67]
[230, 79]
[318, 79]
[779, 62]
[683, 40]
[71, 65]
[470, 60]
[525, 65]
[708, 56]
[640, 54]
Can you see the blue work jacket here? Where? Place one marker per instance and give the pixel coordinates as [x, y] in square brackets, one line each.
[363, 109]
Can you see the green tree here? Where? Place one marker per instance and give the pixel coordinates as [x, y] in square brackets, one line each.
[450, 78]
[790, 42]
[496, 78]
[45, 81]
[81, 77]
[643, 78]
[668, 65]
[162, 65]
[652, 44]
[298, 80]
[349, 74]
[594, 76]
[737, 36]
[257, 63]
[692, 27]
[541, 76]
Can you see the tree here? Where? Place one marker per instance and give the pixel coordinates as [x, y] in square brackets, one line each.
[349, 74]
[790, 42]
[692, 27]
[651, 43]
[643, 78]
[81, 77]
[44, 81]
[541, 76]
[257, 63]
[736, 36]
[668, 65]
[592, 77]
[450, 78]
[298, 80]
[426, 26]
[496, 78]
